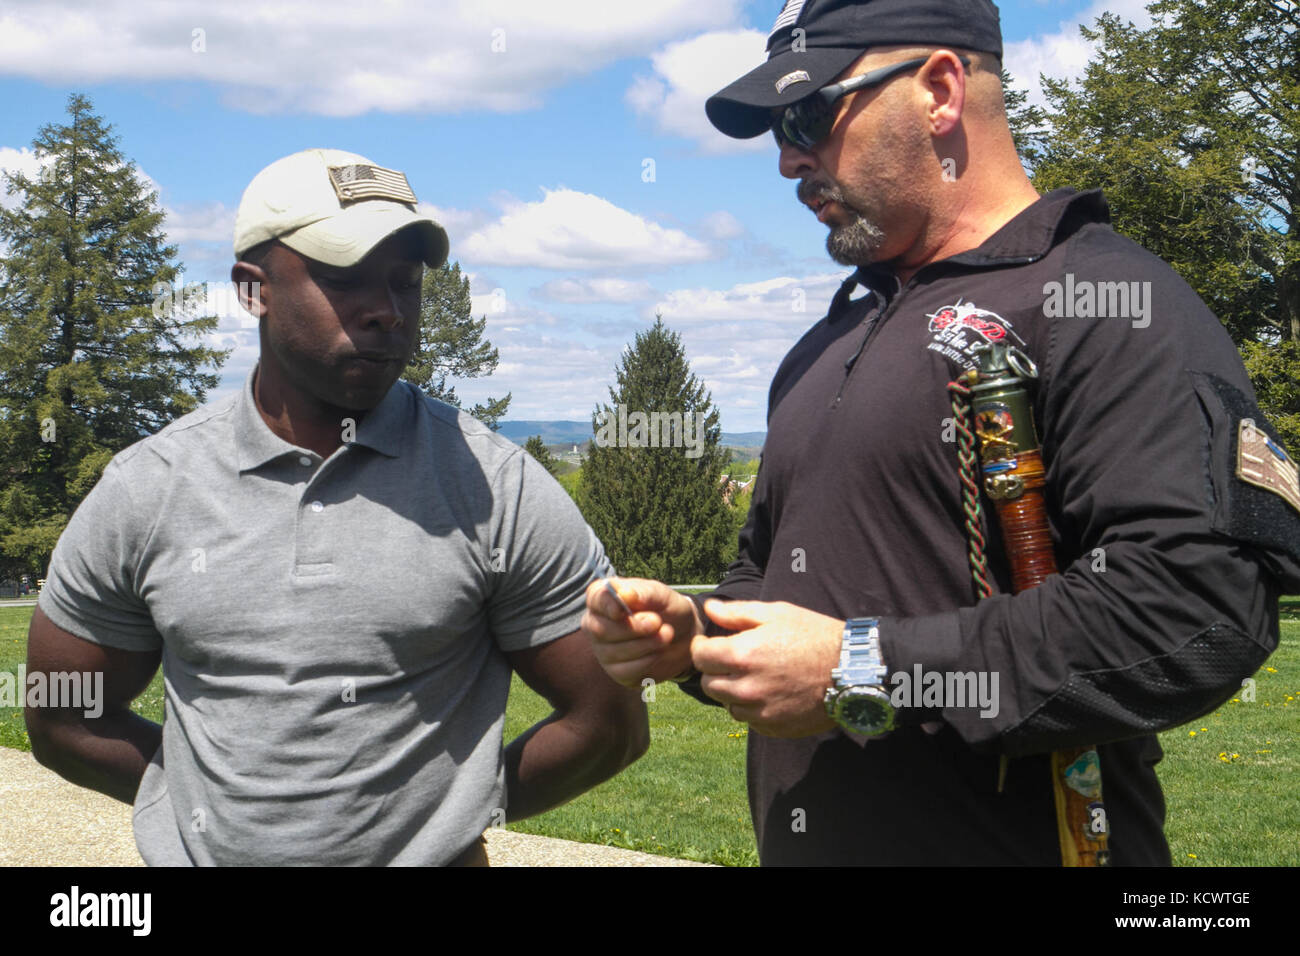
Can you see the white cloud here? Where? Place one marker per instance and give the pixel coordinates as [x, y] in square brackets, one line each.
[1065, 53]
[734, 338]
[687, 73]
[722, 225]
[493, 302]
[575, 230]
[583, 291]
[341, 58]
[22, 161]
[548, 372]
[554, 376]
[783, 300]
[458, 223]
[201, 222]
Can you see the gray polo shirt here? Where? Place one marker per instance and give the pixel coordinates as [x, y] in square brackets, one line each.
[332, 630]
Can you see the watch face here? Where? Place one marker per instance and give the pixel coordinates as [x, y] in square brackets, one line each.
[865, 710]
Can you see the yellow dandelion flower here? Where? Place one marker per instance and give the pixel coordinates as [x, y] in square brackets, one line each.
[1191, 733]
[1192, 855]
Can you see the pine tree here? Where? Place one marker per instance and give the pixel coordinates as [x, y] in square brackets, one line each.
[95, 350]
[1192, 128]
[452, 343]
[658, 510]
[535, 447]
[1026, 121]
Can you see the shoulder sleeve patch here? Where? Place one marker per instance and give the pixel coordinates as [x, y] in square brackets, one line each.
[1252, 482]
[1263, 463]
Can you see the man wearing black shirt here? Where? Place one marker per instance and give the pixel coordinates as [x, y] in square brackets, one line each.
[855, 555]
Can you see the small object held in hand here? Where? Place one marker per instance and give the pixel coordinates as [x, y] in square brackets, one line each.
[621, 603]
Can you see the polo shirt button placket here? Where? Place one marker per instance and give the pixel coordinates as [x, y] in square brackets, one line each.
[314, 549]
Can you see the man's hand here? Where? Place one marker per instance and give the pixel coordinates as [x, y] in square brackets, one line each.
[654, 642]
[773, 674]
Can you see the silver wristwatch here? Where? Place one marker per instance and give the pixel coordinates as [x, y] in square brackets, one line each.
[857, 699]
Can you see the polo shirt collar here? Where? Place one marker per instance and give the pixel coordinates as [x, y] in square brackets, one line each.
[386, 426]
[1026, 238]
[381, 429]
[1032, 234]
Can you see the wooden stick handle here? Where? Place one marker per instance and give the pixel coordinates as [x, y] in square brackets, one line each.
[1021, 508]
[1025, 531]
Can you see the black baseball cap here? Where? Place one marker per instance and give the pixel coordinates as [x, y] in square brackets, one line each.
[814, 41]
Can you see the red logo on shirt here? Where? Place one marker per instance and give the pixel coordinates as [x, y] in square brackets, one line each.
[956, 330]
[988, 324]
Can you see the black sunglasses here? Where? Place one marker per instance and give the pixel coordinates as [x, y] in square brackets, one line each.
[808, 122]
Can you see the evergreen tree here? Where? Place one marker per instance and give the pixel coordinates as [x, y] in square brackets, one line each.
[658, 510]
[452, 343]
[96, 351]
[1192, 127]
[538, 450]
[1026, 121]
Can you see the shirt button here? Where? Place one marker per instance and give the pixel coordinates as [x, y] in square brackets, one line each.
[317, 506]
[304, 461]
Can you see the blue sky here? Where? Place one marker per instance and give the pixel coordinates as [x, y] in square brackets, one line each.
[572, 166]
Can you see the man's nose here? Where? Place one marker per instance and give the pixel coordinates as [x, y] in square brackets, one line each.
[382, 307]
[795, 163]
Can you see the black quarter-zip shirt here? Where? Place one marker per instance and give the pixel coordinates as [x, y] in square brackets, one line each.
[1167, 596]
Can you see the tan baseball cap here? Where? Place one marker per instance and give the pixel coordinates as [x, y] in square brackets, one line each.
[332, 206]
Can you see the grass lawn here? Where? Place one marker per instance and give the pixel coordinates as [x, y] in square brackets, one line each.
[1229, 778]
[13, 652]
[685, 797]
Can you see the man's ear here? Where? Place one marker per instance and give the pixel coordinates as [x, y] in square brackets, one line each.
[251, 286]
[945, 78]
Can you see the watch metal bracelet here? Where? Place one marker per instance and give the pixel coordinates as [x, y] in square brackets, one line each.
[860, 659]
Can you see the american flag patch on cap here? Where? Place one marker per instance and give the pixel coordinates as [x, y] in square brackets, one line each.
[360, 181]
[787, 17]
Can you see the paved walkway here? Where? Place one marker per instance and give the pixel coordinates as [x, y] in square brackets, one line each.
[46, 821]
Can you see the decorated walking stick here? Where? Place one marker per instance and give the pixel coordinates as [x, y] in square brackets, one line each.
[995, 394]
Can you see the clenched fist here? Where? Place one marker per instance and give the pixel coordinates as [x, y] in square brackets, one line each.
[773, 671]
[648, 635]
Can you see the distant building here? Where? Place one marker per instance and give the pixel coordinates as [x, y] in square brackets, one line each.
[733, 487]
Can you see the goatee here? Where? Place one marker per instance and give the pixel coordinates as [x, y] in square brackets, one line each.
[853, 245]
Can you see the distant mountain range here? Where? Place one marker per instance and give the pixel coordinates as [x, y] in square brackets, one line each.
[575, 433]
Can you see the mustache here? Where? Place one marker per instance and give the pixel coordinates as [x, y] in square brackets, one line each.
[809, 190]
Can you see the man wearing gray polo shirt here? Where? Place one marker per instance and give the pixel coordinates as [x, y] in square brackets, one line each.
[337, 575]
